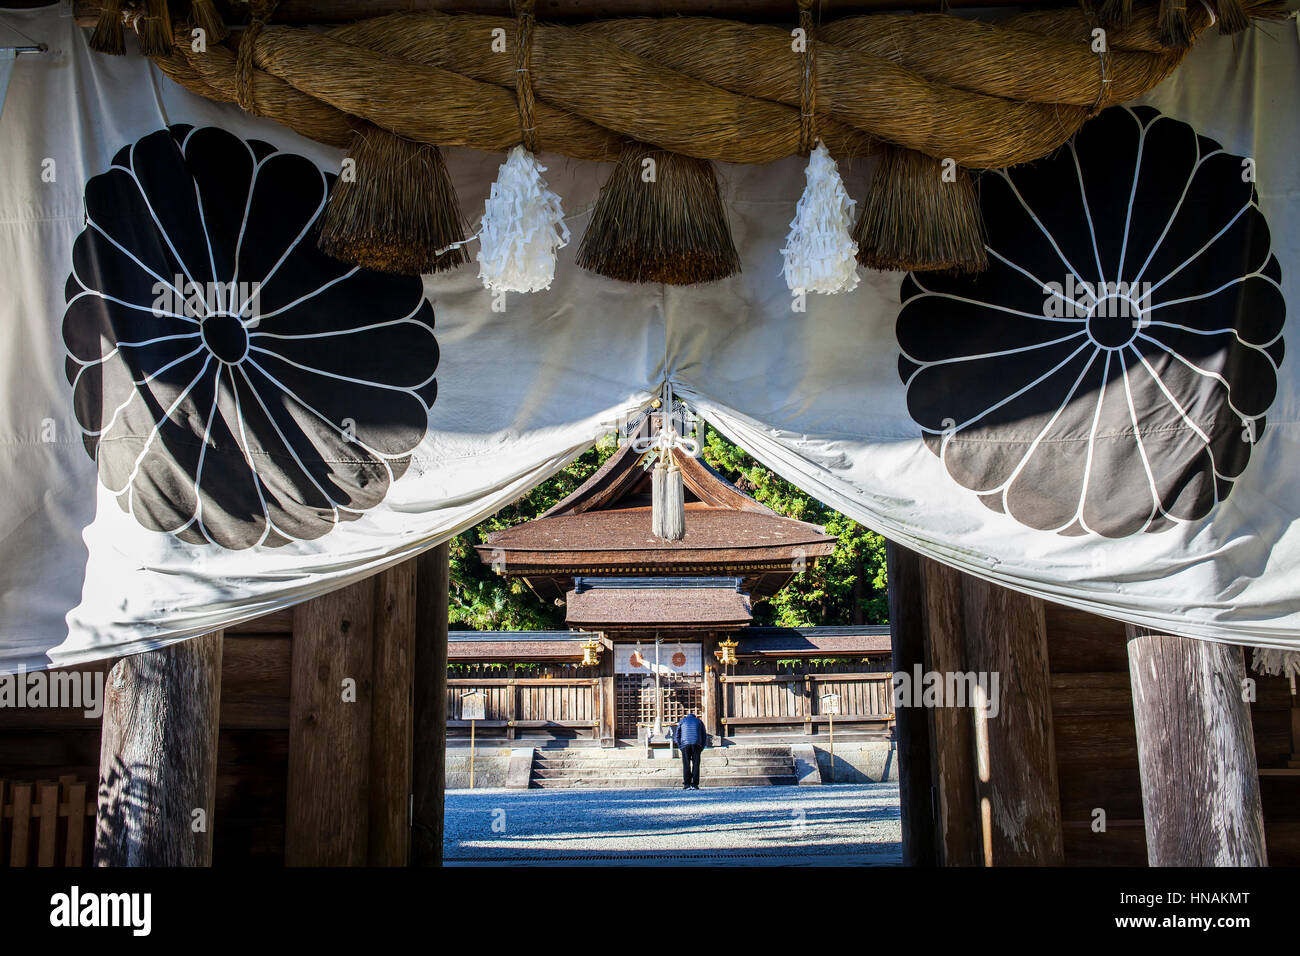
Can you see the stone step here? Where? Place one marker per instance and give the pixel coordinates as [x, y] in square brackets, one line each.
[630, 769]
[730, 753]
[614, 763]
[553, 773]
[662, 782]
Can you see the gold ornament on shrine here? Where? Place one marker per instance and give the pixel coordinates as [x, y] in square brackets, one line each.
[727, 651]
[591, 652]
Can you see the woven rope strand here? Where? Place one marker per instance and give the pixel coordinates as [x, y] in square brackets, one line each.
[525, 20]
[808, 90]
[262, 11]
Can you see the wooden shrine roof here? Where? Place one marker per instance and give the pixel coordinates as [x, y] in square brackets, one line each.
[611, 603]
[813, 641]
[515, 645]
[605, 526]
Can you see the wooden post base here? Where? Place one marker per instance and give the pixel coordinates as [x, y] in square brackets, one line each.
[158, 757]
[1196, 750]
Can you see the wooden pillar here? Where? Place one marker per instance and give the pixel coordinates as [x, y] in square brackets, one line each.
[911, 726]
[392, 717]
[430, 719]
[993, 771]
[608, 717]
[1196, 751]
[328, 801]
[1015, 751]
[348, 800]
[158, 757]
[957, 821]
[708, 647]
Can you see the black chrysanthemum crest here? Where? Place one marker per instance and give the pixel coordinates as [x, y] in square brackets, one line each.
[234, 385]
[1110, 372]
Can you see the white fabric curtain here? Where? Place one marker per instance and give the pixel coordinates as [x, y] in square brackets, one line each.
[123, 549]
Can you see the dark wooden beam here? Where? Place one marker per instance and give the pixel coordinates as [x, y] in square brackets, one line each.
[1196, 751]
[760, 11]
[907, 626]
[430, 715]
[158, 757]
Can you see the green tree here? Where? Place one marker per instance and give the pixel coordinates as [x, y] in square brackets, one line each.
[848, 587]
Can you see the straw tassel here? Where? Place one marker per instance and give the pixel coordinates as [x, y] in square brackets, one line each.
[1231, 15]
[819, 251]
[667, 501]
[523, 226]
[661, 221]
[107, 36]
[206, 17]
[399, 213]
[1115, 13]
[1175, 30]
[919, 219]
[155, 29]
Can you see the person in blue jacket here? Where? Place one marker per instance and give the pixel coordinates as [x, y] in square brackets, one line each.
[691, 739]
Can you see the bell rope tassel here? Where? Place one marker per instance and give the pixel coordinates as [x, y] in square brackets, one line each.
[667, 501]
[819, 251]
[398, 212]
[523, 227]
[108, 36]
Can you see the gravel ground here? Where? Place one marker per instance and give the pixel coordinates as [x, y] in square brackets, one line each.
[846, 825]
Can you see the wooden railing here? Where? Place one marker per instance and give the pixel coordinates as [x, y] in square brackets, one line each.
[796, 699]
[522, 704]
[46, 823]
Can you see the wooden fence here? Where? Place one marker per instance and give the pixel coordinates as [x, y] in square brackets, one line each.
[564, 707]
[790, 700]
[47, 823]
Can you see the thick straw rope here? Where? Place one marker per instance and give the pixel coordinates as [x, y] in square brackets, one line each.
[986, 96]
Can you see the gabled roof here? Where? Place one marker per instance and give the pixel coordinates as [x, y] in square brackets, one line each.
[625, 475]
[604, 527]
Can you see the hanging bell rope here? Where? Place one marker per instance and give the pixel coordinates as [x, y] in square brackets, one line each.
[667, 490]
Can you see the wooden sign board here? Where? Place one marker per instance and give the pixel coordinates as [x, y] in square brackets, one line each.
[473, 706]
[831, 704]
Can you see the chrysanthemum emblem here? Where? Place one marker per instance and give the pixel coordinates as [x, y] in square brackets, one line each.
[1110, 373]
[234, 385]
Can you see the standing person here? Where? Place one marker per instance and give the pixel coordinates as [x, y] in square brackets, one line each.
[691, 739]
